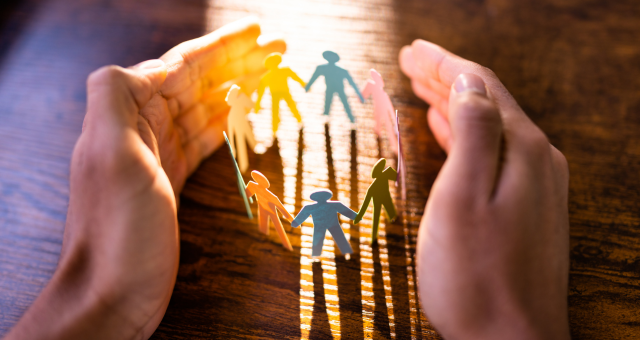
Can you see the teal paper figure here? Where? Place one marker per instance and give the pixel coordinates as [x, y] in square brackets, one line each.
[334, 77]
[241, 186]
[325, 217]
[379, 192]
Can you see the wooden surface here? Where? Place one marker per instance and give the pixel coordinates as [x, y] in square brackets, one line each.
[574, 67]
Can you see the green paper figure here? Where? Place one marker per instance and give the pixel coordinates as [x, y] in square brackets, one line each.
[379, 192]
[241, 186]
[276, 80]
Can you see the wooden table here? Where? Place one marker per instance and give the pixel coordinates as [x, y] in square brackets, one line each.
[574, 67]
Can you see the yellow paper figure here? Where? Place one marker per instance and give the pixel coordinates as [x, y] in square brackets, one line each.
[238, 127]
[268, 206]
[276, 80]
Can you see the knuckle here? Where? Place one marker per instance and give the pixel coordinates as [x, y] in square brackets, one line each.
[537, 145]
[107, 75]
[560, 160]
[476, 109]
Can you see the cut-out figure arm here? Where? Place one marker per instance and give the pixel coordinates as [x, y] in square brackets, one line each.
[315, 76]
[246, 102]
[346, 211]
[301, 217]
[250, 189]
[355, 87]
[261, 88]
[391, 174]
[364, 206]
[295, 77]
[282, 209]
[367, 89]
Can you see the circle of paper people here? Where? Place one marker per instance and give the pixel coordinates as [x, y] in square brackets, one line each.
[323, 212]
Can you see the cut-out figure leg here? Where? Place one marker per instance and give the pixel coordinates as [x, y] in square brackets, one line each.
[347, 108]
[390, 208]
[390, 122]
[232, 140]
[275, 111]
[248, 135]
[340, 240]
[243, 158]
[263, 220]
[318, 241]
[377, 209]
[280, 229]
[292, 106]
[328, 99]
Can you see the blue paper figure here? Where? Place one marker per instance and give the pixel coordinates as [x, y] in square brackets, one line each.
[325, 217]
[334, 77]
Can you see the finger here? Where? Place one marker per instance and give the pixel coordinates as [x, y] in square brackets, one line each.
[411, 70]
[191, 60]
[476, 129]
[204, 144]
[444, 67]
[191, 123]
[433, 98]
[440, 128]
[115, 95]
[252, 62]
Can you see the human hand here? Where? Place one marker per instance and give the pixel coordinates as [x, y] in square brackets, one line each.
[146, 129]
[493, 246]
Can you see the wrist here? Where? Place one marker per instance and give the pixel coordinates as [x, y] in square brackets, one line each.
[72, 306]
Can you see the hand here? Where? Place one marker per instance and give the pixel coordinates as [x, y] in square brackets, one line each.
[493, 247]
[146, 129]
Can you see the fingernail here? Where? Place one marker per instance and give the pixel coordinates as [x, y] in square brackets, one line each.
[151, 64]
[470, 82]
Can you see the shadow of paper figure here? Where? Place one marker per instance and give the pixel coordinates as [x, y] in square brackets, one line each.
[379, 192]
[383, 112]
[238, 127]
[325, 218]
[276, 79]
[268, 207]
[320, 328]
[334, 77]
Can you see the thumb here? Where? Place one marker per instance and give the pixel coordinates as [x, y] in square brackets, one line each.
[115, 95]
[476, 130]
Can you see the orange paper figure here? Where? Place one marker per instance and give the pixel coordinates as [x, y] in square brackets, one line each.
[276, 80]
[382, 108]
[238, 127]
[268, 206]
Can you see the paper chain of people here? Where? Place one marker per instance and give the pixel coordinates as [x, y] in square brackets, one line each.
[323, 212]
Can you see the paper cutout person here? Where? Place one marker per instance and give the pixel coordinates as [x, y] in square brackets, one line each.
[402, 166]
[379, 192]
[276, 80]
[268, 206]
[325, 217]
[238, 127]
[382, 108]
[334, 77]
[241, 186]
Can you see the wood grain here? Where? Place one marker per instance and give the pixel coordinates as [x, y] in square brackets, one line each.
[573, 66]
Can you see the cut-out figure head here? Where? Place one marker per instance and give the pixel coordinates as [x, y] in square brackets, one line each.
[233, 93]
[377, 78]
[331, 57]
[272, 61]
[378, 168]
[321, 196]
[260, 179]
